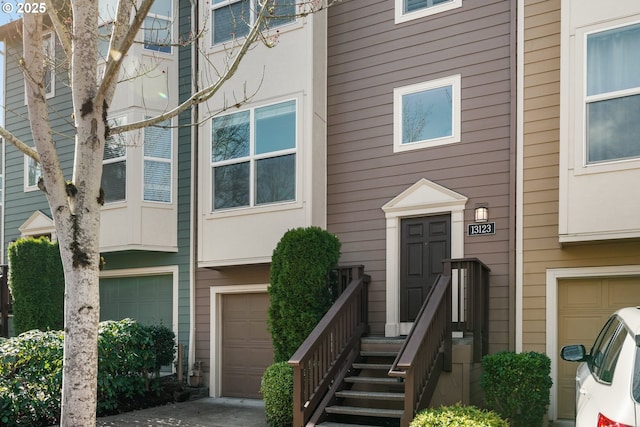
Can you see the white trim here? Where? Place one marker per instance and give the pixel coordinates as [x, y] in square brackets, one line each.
[431, 10]
[421, 199]
[173, 270]
[27, 186]
[553, 275]
[519, 175]
[215, 337]
[398, 93]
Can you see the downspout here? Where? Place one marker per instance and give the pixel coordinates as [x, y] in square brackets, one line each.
[519, 173]
[194, 186]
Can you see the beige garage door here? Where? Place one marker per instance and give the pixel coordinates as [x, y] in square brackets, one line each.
[246, 344]
[583, 307]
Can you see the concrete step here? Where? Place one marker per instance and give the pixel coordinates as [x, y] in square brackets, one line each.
[365, 412]
[373, 380]
[373, 395]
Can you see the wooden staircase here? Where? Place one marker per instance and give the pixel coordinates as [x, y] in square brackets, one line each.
[368, 395]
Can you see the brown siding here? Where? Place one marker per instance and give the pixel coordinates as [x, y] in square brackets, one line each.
[369, 56]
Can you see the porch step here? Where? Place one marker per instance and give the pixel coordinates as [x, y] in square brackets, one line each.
[372, 366]
[332, 424]
[372, 353]
[373, 395]
[365, 412]
[373, 380]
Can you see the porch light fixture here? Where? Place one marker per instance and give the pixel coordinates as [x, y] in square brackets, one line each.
[482, 214]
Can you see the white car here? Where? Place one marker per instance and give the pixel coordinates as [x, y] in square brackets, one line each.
[608, 379]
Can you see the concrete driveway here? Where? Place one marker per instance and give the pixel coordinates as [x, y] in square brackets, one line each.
[206, 412]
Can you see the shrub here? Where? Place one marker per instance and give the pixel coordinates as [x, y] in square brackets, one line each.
[36, 279]
[277, 391]
[516, 386]
[300, 289]
[459, 416]
[164, 346]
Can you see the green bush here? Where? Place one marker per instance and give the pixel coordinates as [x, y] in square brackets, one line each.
[31, 370]
[277, 391]
[300, 289]
[36, 280]
[517, 385]
[458, 416]
[164, 346]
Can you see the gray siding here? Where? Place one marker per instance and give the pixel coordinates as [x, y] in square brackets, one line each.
[369, 56]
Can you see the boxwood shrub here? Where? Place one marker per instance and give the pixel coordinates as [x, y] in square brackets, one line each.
[300, 289]
[277, 392]
[517, 386]
[458, 416]
[31, 371]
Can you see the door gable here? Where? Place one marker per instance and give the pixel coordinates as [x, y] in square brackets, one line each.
[424, 197]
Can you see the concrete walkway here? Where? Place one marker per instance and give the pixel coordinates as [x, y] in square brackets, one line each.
[206, 412]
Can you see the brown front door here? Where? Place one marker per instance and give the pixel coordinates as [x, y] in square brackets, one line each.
[425, 242]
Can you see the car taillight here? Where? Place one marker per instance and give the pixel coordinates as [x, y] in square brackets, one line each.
[606, 422]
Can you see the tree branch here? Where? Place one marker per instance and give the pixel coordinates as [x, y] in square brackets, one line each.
[61, 30]
[17, 142]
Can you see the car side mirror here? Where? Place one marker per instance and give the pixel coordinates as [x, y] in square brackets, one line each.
[574, 353]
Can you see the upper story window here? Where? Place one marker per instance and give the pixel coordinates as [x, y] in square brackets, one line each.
[114, 166]
[407, 10]
[613, 94]
[49, 46]
[158, 155]
[253, 156]
[427, 114]
[157, 26]
[232, 19]
[32, 174]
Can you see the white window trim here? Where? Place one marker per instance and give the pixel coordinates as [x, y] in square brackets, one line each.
[252, 158]
[398, 93]
[118, 121]
[170, 20]
[161, 160]
[27, 186]
[52, 48]
[401, 17]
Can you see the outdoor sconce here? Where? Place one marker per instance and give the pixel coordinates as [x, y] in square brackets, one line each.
[482, 214]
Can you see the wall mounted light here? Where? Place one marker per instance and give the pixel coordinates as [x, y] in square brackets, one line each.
[481, 214]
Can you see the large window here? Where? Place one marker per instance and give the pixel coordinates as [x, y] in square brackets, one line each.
[427, 114]
[158, 154]
[411, 9]
[253, 157]
[157, 26]
[613, 94]
[114, 166]
[233, 18]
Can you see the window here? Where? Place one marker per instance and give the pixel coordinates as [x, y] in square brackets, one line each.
[233, 18]
[253, 156]
[427, 114]
[407, 10]
[114, 166]
[32, 174]
[157, 27]
[613, 94]
[158, 154]
[48, 44]
[606, 349]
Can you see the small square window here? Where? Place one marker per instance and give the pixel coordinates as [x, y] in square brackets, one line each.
[427, 114]
[406, 10]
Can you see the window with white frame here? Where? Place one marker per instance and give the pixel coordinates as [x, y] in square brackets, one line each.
[253, 157]
[232, 19]
[32, 174]
[427, 114]
[612, 95]
[407, 10]
[114, 165]
[158, 155]
[49, 46]
[157, 26]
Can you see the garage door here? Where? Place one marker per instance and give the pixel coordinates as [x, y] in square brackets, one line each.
[583, 307]
[246, 343]
[147, 299]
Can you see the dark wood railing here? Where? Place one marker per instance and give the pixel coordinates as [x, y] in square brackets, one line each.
[427, 349]
[322, 361]
[5, 301]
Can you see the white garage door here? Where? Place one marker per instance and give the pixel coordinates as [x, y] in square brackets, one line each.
[583, 307]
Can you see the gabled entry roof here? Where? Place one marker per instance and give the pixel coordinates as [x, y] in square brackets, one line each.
[422, 197]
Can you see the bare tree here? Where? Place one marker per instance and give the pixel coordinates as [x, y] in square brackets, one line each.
[75, 202]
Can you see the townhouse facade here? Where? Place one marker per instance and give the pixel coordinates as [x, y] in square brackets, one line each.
[578, 253]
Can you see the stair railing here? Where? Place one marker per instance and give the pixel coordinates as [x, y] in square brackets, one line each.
[323, 359]
[427, 349]
[5, 301]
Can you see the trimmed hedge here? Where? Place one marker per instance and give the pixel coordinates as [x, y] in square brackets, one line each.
[277, 390]
[517, 386]
[458, 416]
[36, 280]
[300, 289]
[31, 371]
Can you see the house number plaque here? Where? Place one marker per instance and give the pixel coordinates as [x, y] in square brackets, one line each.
[481, 229]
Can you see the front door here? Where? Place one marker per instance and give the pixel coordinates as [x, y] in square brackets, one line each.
[425, 242]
